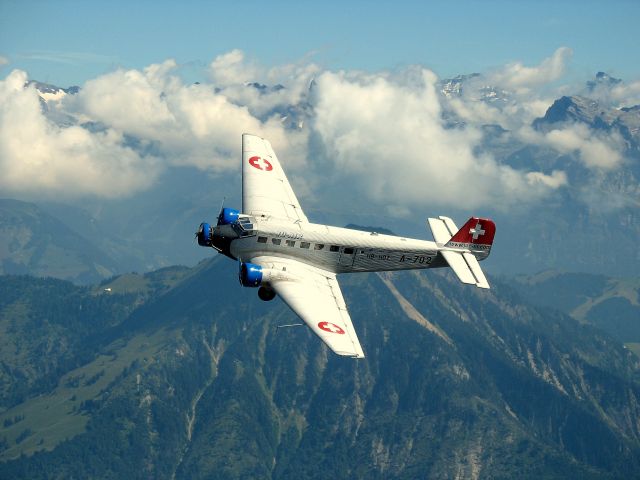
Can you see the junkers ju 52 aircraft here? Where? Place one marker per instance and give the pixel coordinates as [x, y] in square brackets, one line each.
[281, 253]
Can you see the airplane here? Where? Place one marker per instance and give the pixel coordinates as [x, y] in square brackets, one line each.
[280, 252]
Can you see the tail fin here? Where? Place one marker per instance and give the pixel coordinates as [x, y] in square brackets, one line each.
[463, 249]
[476, 235]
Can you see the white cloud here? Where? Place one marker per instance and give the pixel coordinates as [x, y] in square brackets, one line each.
[189, 125]
[386, 133]
[518, 77]
[601, 151]
[231, 72]
[173, 124]
[37, 156]
[557, 179]
[382, 133]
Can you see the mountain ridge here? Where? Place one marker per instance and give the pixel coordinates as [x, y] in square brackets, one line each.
[201, 384]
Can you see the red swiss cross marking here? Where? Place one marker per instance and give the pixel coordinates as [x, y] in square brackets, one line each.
[261, 164]
[331, 328]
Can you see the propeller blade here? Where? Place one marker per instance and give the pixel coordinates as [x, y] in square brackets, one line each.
[221, 208]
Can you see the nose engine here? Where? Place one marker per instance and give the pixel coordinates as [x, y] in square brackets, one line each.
[220, 235]
[205, 235]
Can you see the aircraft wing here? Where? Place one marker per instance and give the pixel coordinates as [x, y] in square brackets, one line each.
[265, 188]
[315, 296]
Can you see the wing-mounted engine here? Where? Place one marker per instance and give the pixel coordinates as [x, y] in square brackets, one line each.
[228, 216]
[242, 225]
[252, 275]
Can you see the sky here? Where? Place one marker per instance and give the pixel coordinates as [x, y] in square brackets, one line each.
[68, 42]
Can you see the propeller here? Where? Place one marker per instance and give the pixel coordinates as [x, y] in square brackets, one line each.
[221, 209]
[198, 232]
[240, 271]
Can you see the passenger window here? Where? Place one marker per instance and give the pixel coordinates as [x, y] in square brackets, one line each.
[276, 241]
[318, 246]
[291, 243]
[262, 239]
[348, 251]
[305, 244]
[334, 248]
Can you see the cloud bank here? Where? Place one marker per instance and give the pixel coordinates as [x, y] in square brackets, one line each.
[388, 135]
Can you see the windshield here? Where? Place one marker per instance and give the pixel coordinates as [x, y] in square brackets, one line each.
[244, 226]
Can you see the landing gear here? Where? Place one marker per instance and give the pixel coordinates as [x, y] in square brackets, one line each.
[266, 294]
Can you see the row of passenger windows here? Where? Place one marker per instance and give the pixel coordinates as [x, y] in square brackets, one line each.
[316, 246]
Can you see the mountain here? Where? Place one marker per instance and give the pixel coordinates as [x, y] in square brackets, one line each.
[582, 110]
[35, 242]
[611, 304]
[180, 373]
[602, 79]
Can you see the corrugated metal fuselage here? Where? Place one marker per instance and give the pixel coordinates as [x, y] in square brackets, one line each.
[338, 250]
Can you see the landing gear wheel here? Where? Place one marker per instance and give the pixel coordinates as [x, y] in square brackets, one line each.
[266, 294]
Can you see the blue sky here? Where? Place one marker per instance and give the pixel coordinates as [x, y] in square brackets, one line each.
[68, 42]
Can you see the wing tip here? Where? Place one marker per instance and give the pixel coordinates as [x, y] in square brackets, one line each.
[356, 355]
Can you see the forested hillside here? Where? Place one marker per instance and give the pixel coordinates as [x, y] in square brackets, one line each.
[181, 373]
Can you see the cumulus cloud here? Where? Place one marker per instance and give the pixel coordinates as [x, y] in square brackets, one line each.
[231, 72]
[518, 77]
[595, 150]
[389, 133]
[191, 125]
[37, 156]
[383, 134]
[618, 95]
[130, 126]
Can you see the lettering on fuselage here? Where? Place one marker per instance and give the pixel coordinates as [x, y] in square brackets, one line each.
[421, 259]
[377, 256]
[294, 236]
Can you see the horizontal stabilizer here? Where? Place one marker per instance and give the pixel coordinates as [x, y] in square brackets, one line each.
[466, 268]
[472, 261]
[459, 266]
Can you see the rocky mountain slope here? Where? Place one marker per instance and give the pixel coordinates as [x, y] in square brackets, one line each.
[183, 374]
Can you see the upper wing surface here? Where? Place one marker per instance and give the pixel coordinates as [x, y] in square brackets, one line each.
[315, 296]
[265, 188]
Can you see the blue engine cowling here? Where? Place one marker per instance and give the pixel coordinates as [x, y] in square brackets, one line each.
[228, 216]
[205, 234]
[250, 275]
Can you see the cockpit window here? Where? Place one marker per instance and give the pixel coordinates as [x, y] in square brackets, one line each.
[262, 239]
[318, 246]
[276, 241]
[334, 248]
[348, 251]
[244, 226]
[305, 244]
[290, 243]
